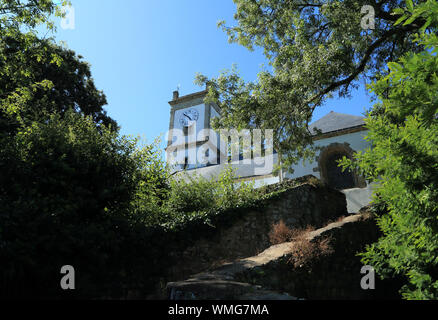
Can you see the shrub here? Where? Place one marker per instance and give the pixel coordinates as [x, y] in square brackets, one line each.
[66, 193]
[196, 195]
[280, 233]
[302, 250]
[403, 129]
[305, 251]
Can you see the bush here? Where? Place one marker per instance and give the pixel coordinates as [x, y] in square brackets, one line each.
[280, 233]
[66, 194]
[403, 161]
[196, 195]
[73, 193]
[304, 251]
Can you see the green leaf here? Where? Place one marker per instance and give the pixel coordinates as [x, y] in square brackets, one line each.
[399, 20]
[410, 5]
[428, 23]
[398, 11]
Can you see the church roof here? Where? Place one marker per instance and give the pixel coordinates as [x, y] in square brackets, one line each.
[335, 121]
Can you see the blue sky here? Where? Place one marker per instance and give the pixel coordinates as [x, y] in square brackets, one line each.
[141, 50]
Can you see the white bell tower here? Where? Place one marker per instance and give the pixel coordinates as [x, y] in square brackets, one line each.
[189, 116]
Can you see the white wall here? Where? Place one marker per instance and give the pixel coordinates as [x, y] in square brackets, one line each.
[356, 141]
[214, 113]
[259, 167]
[357, 198]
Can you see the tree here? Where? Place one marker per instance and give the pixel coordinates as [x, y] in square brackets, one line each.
[53, 79]
[315, 49]
[18, 14]
[67, 197]
[48, 77]
[70, 183]
[403, 161]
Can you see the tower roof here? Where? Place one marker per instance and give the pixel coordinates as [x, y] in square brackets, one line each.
[335, 121]
[177, 99]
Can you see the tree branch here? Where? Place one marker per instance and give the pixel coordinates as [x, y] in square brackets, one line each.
[361, 67]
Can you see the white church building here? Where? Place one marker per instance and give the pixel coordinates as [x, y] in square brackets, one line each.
[202, 154]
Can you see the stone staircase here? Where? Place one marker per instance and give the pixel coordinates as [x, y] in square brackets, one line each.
[228, 281]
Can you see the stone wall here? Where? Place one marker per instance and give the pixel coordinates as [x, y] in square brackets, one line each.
[290, 271]
[333, 276]
[248, 234]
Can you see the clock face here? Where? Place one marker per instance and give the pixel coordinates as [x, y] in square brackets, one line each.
[188, 116]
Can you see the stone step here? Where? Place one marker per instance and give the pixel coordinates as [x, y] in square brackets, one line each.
[210, 286]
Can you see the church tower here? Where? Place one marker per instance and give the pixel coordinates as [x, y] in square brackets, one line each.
[189, 116]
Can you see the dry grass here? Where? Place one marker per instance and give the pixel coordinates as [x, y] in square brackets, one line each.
[280, 233]
[301, 234]
[339, 219]
[303, 251]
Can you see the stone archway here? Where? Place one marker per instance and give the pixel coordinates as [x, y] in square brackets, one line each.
[329, 171]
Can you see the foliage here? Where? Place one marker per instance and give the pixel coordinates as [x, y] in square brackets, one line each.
[403, 160]
[39, 77]
[315, 49]
[154, 186]
[19, 14]
[71, 189]
[200, 197]
[65, 194]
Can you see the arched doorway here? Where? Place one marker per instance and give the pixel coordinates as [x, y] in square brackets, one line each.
[335, 177]
[332, 174]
